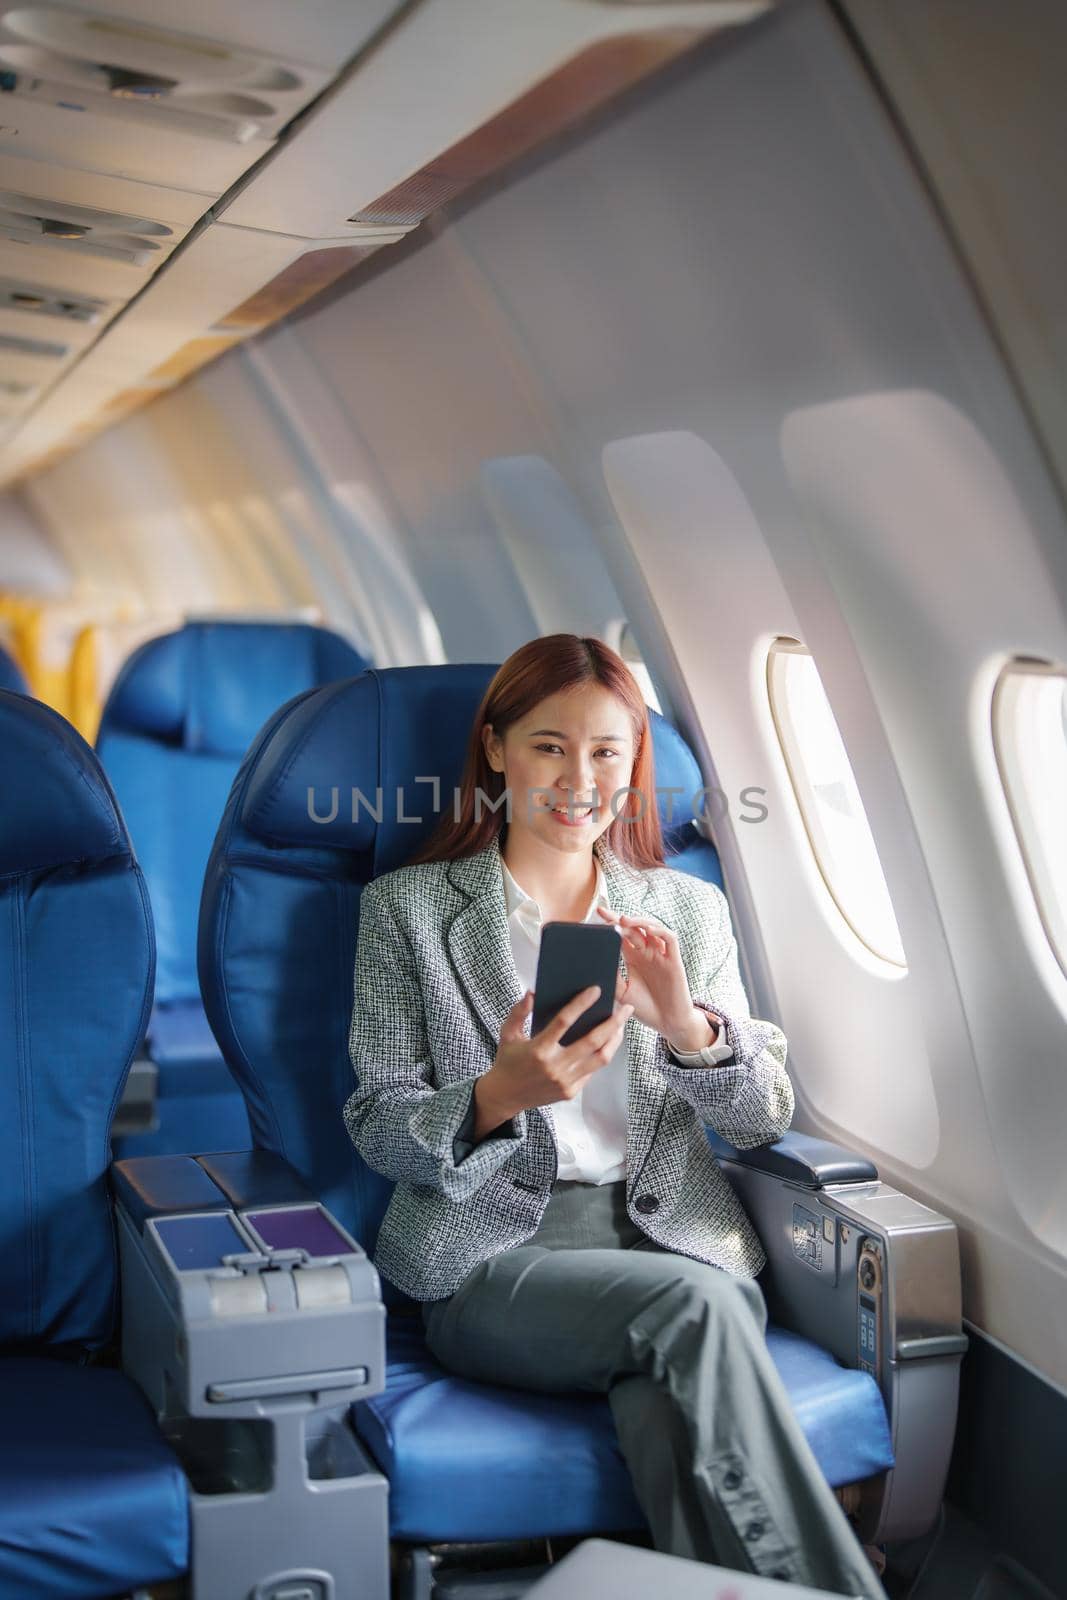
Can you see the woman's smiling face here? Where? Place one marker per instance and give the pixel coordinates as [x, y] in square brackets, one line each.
[563, 762]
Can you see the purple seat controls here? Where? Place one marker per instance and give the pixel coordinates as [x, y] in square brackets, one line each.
[299, 1228]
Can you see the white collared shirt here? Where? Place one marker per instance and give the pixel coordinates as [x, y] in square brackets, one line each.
[591, 1128]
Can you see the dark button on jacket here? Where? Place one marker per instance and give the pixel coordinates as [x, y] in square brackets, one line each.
[646, 1204]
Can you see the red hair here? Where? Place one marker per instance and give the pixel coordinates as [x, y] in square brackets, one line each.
[544, 667]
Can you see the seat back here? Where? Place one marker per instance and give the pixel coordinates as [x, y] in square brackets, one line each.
[76, 967]
[178, 720]
[280, 910]
[11, 677]
[100, 650]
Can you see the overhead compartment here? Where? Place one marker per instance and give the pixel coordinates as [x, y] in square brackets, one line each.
[447, 95]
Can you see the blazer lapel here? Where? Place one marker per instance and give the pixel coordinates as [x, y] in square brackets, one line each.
[478, 941]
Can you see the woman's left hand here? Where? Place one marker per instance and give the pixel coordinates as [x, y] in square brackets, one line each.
[658, 988]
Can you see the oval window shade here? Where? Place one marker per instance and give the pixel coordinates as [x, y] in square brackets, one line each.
[1030, 740]
[829, 799]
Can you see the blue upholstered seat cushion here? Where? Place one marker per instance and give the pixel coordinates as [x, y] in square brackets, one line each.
[476, 1461]
[92, 1500]
[839, 1408]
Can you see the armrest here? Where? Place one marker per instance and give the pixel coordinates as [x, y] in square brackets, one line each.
[158, 1186]
[800, 1158]
[252, 1321]
[230, 1307]
[873, 1276]
[256, 1178]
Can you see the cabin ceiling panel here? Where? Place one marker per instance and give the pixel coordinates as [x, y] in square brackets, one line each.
[74, 183]
[118, 131]
[321, 34]
[137, 97]
[86, 233]
[53, 334]
[217, 271]
[401, 111]
[172, 120]
[52, 270]
[149, 154]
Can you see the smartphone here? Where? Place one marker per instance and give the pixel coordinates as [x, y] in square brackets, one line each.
[573, 956]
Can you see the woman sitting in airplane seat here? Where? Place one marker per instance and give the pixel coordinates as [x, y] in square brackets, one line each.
[558, 1210]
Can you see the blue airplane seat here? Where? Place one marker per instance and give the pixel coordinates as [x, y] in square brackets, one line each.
[11, 677]
[177, 722]
[278, 930]
[681, 798]
[92, 1500]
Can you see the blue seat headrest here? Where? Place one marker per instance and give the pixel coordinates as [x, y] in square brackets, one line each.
[358, 743]
[331, 773]
[210, 686]
[679, 785]
[56, 806]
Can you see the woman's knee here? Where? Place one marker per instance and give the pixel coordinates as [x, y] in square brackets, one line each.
[701, 1288]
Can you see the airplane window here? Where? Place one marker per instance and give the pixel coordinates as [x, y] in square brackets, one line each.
[1030, 738]
[829, 799]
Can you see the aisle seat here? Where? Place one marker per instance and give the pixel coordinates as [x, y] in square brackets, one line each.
[92, 1499]
[177, 721]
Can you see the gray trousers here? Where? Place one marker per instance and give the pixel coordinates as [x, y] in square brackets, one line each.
[719, 1464]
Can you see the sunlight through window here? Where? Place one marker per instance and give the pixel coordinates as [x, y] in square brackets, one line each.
[829, 799]
[1030, 738]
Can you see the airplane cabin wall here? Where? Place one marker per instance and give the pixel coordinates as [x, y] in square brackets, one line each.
[744, 264]
[29, 560]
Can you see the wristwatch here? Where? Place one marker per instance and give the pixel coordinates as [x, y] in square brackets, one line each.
[710, 1055]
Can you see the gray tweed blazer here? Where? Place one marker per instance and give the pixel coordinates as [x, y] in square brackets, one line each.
[435, 979]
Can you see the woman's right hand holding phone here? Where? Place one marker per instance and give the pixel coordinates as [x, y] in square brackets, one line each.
[538, 1071]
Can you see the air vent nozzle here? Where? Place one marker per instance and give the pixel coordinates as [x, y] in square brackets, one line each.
[125, 84]
[60, 230]
[38, 302]
[18, 346]
[27, 220]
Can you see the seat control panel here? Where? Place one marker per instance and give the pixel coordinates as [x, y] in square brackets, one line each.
[815, 1239]
[869, 1287]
